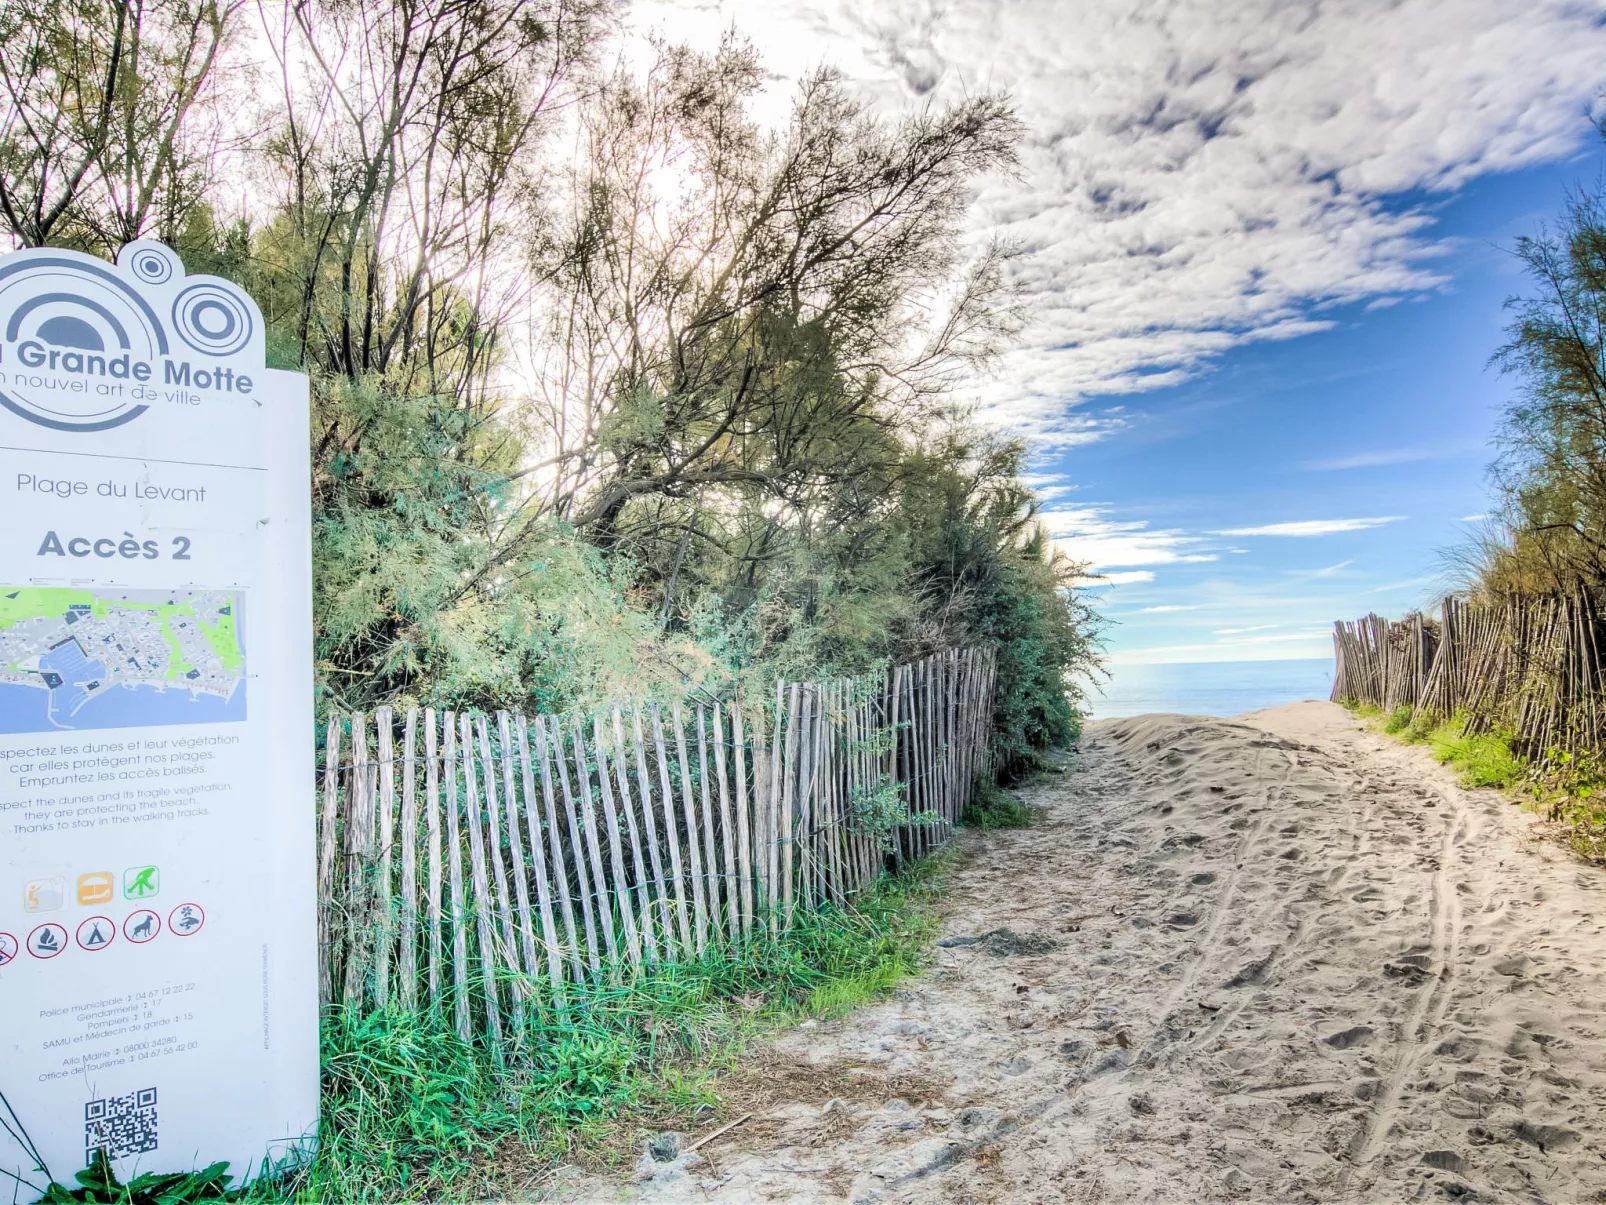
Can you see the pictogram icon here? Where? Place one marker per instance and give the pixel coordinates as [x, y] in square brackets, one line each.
[44, 895]
[96, 933]
[186, 919]
[47, 941]
[141, 882]
[141, 926]
[8, 948]
[95, 888]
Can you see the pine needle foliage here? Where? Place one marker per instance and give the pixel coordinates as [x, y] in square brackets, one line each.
[677, 400]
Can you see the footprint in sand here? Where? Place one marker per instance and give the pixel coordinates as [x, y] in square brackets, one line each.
[1275, 1033]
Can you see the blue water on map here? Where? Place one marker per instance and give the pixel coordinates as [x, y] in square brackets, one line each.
[1210, 687]
[77, 672]
[29, 709]
[33, 709]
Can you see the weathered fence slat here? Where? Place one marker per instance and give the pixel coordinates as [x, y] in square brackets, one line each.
[836, 831]
[744, 844]
[359, 845]
[772, 811]
[620, 878]
[727, 830]
[621, 769]
[432, 825]
[710, 861]
[383, 921]
[666, 800]
[478, 883]
[454, 850]
[482, 889]
[582, 845]
[559, 864]
[788, 835]
[515, 847]
[509, 949]
[326, 861]
[649, 820]
[538, 861]
[694, 855]
[409, 863]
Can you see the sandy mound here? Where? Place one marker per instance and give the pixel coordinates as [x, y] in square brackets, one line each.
[1270, 959]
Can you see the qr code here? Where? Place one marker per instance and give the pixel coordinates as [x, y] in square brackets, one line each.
[120, 1125]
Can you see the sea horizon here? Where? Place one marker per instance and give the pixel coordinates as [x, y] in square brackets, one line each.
[1213, 688]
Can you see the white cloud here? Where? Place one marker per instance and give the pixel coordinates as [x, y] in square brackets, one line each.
[1050, 486]
[1407, 584]
[1087, 534]
[1310, 527]
[1164, 610]
[1326, 571]
[1198, 175]
[1284, 646]
[1386, 456]
[1472, 518]
[1259, 627]
[1130, 577]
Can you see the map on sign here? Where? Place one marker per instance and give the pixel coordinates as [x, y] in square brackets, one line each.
[89, 659]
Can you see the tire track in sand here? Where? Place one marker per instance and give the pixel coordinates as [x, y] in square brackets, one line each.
[1293, 943]
[1035, 1075]
[1223, 907]
[1432, 998]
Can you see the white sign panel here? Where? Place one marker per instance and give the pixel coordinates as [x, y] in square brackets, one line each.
[158, 977]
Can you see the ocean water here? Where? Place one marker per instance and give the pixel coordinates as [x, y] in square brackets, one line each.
[1210, 687]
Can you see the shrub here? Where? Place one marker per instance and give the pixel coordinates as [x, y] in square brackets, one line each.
[1399, 719]
[992, 807]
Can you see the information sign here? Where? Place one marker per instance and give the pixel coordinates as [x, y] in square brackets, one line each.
[158, 948]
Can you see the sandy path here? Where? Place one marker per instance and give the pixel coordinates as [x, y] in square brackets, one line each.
[1274, 959]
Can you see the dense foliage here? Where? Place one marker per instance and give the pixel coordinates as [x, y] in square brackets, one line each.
[1550, 534]
[614, 386]
[1533, 724]
[615, 389]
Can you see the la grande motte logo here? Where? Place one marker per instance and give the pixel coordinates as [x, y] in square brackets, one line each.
[30, 353]
[87, 346]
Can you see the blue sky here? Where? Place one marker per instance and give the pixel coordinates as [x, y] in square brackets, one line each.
[1265, 247]
[1387, 415]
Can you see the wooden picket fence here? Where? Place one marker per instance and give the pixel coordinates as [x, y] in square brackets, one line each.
[1530, 667]
[494, 864]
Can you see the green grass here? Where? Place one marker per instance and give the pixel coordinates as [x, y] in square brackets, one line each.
[992, 807]
[409, 1111]
[99, 1185]
[1483, 759]
[1399, 720]
[1565, 786]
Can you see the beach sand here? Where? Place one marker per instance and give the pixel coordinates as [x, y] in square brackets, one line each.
[1269, 958]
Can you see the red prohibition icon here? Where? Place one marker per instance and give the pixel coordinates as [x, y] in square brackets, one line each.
[186, 919]
[8, 948]
[47, 941]
[141, 926]
[96, 933]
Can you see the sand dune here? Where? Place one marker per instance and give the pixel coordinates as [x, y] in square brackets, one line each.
[1275, 958]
